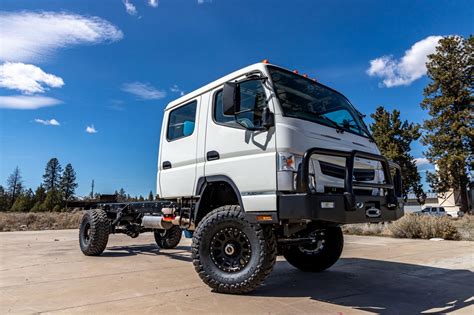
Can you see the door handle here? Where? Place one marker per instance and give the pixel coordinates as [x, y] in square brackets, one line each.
[166, 165]
[212, 155]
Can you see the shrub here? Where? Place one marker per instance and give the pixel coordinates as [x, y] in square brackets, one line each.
[366, 229]
[424, 226]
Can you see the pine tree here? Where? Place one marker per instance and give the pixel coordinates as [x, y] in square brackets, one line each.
[150, 196]
[52, 175]
[68, 182]
[121, 195]
[24, 202]
[3, 199]
[449, 133]
[40, 196]
[14, 186]
[394, 137]
[53, 201]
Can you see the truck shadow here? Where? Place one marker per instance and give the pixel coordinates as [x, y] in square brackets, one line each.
[376, 286]
[178, 253]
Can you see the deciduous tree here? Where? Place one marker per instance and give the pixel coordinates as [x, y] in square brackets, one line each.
[14, 186]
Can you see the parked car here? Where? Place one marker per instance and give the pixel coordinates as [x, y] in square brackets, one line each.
[434, 211]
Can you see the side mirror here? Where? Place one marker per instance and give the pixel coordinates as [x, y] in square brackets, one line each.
[268, 118]
[231, 98]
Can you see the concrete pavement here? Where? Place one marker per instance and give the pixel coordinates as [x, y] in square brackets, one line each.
[45, 272]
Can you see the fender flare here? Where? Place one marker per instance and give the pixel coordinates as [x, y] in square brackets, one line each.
[204, 181]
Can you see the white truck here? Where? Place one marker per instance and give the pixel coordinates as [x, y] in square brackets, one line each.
[259, 163]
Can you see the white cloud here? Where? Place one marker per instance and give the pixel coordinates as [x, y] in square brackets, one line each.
[91, 129]
[27, 102]
[33, 36]
[27, 78]
[409, 68]
[176, 89]
[421, 161]
[153, 3]
[48, 122]
[144, 91]
[130, 7]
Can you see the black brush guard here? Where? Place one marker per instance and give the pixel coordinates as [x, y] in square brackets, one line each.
[346, 207]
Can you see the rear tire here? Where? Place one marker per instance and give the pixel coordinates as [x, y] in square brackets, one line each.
[319, 256]
[94, 232]
[230, 254]
[170, 238]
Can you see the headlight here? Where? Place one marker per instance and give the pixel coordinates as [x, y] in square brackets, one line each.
[289, 161]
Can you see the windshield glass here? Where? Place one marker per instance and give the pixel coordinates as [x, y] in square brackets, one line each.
[305, 99]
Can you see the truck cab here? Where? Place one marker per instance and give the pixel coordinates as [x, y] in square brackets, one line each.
[281, 146]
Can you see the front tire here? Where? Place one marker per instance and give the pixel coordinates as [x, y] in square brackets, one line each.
[170, 238]
[230, 254]
[94, 232]
[318, 256]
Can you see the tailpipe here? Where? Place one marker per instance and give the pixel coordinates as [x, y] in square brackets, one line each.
[155, 222]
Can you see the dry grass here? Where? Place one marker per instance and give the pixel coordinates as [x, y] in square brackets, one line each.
[465, 226]
[17, 221]
[416, 226]
[367, 229]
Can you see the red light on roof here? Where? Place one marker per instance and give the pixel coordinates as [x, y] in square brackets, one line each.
[305, 75]
[295, 71]
[265, 61]
[314, 80]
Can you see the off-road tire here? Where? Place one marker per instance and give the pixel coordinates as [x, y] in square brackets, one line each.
[262, 254]
[94, 232]
[170, 238]
[320, 260]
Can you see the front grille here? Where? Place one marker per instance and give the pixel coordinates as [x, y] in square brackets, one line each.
[337, 171]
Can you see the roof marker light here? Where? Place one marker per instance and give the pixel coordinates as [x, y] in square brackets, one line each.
[314, 80]
[265, 61]
[295, 71]
[305, 75]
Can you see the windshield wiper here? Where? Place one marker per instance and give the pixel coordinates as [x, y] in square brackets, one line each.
[332, 122]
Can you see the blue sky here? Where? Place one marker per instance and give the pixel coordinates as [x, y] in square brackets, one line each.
[112, 66]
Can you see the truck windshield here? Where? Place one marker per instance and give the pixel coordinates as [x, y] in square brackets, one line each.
[305, 99]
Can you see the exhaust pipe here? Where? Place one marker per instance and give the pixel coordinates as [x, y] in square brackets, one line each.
[156, 222]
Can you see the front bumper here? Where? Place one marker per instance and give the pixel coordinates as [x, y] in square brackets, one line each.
[346, 207]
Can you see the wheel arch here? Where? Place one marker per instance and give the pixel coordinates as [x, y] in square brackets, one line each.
[215, 191]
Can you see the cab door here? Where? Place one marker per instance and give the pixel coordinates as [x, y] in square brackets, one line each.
[178, 150]
[247, 158]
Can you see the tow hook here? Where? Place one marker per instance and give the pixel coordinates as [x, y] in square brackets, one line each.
[373, 212]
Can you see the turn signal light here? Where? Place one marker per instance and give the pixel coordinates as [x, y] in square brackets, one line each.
[264, 217]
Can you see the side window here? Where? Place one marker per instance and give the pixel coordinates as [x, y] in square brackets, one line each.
[442, 209]
[434, 209]
[181, 121]
[252, 103]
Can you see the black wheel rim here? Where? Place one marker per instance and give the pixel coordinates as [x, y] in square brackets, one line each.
[86, 233]
[316, 246]
[230, 250]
